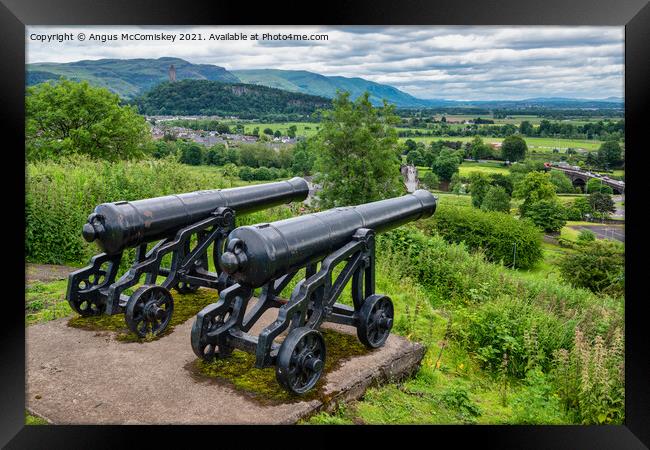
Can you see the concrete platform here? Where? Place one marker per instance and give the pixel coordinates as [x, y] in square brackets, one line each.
[77, 376]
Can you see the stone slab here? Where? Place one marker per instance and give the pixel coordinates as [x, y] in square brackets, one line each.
[77, 376]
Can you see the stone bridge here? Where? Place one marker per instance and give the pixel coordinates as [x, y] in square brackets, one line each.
[579, 178]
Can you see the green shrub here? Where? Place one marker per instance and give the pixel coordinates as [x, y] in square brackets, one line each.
[598, 266]
[586, 236]
[548, 215]
[537, 403]
[527, 333]
[494, 232]
[496, 199]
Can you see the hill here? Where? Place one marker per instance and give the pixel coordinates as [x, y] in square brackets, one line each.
[127, 78]
[204, 97]
[326, 86]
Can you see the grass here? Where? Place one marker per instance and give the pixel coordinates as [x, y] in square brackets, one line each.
[466, 168]
[46, 301]
[532, 142]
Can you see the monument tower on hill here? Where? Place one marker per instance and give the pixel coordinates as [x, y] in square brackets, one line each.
[172, 73]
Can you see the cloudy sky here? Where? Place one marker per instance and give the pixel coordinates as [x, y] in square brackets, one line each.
[459, 63]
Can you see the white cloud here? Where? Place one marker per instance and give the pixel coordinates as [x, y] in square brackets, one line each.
[429, 62]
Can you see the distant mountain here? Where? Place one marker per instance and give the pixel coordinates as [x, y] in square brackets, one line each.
[203, 97]
[326, 86]
[126, 77]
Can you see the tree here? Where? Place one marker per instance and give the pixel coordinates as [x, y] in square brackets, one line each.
[535, 186]
[358, 154]
[547, 214]
[561, 181]
[446, 164]
[478, 187]
[277, 133]
[222, 128]
[430, 180]
[597, 185]
[479, 150]
[191, 154]
[291, 132]
[268, 131]
[67, 117]
[216, 155]
[514, 148]
[609, 153]
[526, 128]
[601, 203]
[496, 199]
[598, 266]
[410, 145]
[303, 159]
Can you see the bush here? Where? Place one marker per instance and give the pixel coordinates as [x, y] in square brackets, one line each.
[548, 215]
[494, 232]
[430, 180]
[496, 199]
[599, 266]
[527, 333]
[586, 236]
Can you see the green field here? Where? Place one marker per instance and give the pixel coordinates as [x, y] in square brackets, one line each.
[533, 143]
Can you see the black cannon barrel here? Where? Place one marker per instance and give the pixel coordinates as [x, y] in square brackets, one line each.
[120, 225]
[266, 251]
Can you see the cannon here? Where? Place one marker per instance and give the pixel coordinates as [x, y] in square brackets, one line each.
[182, 227]
[269, 255]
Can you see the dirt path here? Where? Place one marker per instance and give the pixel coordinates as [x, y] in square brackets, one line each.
[76, 376]
[46, 272]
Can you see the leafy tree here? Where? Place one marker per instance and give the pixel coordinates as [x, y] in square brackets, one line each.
[291, 132]
[358, 155]
[268, 131]
[216, 155]
[415, 158]
[535, 186]
[609, 153]
[597, 185]
[601, 203]
[410, 145]
[446, 164]
[561, 181]
[430, 180]
[579, 209]
[496, 199]
[499, 179]
[598, 266]
[222, 128]
[191, 154]
[163, 148]
[479, 185]
[547, 214]
[526, 128]
[277, 133]
[479, 149]
[303, 159]
[514, 148]
[67, 118]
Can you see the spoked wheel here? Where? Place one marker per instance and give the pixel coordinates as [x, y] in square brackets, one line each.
[185, 288]
[200, 328]
[301, 360]
[375, 321]
[149, 310]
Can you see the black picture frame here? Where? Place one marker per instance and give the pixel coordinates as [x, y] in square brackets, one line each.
[16, 14]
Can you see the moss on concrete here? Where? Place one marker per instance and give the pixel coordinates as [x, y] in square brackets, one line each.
[186, 306]
[31, 419]
[239, 370]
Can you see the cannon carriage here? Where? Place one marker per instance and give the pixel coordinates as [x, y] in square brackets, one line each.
[270, 255]
[183, 226]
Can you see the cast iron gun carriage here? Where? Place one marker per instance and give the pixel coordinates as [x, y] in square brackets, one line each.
[185, 226]
[269, 255]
